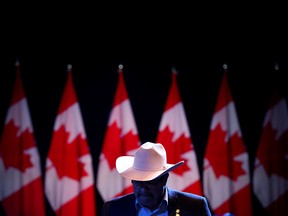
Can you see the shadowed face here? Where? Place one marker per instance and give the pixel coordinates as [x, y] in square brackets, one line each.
[150, 193]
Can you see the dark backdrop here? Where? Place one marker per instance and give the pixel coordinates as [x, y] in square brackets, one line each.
[148, 43]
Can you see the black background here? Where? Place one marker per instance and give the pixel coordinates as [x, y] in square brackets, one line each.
[148, 40]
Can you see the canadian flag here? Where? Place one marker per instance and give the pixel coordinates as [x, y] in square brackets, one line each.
[226, 162]
[175, 136]
[69, 179]
[270, 176]
[121, 138]
[21, 191]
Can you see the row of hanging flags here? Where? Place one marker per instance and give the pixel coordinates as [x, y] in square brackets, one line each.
[69, 179]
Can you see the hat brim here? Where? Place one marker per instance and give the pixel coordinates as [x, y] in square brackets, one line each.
[124, 166]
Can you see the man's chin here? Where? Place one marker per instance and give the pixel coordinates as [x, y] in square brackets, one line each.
[145, 200]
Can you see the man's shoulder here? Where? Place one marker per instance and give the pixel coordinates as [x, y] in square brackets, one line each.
[121, 205]
[177, 193]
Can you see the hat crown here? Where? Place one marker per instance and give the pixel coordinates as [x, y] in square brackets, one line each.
[150, 157]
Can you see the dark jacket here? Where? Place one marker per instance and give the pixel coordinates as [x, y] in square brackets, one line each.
[187, 203]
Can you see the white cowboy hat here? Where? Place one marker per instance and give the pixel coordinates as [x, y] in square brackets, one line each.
[149, 162]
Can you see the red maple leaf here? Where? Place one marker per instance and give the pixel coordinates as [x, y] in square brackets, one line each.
[221, 154]
[115, 145]
[273, 153]
[65, 156]
[12, 147]
[175, 149]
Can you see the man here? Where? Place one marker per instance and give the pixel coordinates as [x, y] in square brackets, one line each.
[148, 171]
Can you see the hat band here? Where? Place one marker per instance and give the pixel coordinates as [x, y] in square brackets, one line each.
[163, 168]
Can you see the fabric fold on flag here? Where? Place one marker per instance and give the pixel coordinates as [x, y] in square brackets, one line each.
[270, 176]
[121, 138]
[226, 178]
[21, 191]
[174, 135]
[69, 179]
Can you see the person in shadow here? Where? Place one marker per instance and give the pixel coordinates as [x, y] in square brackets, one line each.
[148, 171]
